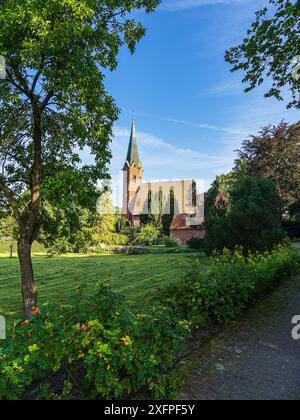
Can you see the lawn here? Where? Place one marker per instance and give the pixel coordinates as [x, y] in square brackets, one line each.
[135, 276]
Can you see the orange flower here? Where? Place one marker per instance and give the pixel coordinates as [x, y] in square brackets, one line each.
[35, 310]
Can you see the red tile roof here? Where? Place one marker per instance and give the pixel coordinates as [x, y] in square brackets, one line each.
[180, 222]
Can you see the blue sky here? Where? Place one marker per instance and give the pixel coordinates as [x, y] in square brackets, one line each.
[191, 112]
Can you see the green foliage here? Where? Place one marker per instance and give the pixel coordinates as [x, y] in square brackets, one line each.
[66, 230]
[111, 239]
[53, 104]
[54, 93]
[230, 284]
[8, 230]
[292, 228]
[169, 242]
[251, 218]
[165, 206]
[269, 50]
[121, 224]
[148, 235]
[118, 351]
[109, 228]
[291, 221]
[275, 154]
[196, 243]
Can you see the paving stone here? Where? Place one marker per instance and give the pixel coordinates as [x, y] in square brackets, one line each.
[256, 359]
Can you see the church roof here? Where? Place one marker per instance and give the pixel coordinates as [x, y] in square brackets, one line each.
[180, 222]
[133, 153]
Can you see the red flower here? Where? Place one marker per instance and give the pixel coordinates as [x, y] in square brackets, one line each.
[94, 306]
[24, 323]
[35, 310]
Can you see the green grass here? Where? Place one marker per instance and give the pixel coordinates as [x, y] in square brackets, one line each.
[135, 276]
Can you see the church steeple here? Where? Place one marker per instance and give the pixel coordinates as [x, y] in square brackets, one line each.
[133, 153]
[132, 179]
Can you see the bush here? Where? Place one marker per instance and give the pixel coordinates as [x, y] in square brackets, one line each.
[148, 235]
[251, 218]
[196, 243]
[231, 283]
[169, 242]
[97, 348]
[112, 238]
[292, 228]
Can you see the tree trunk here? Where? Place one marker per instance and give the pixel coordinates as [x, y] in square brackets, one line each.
[11, 249]
[29, 290]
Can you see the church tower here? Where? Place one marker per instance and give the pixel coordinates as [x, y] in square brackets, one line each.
[132, 179]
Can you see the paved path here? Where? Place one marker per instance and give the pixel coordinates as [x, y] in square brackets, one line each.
[256, 359]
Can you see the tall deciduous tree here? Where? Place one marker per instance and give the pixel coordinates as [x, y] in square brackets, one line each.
[272, 50]
[275, 154]
[54, 103]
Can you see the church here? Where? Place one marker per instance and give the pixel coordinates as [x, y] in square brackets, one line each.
[176, 198]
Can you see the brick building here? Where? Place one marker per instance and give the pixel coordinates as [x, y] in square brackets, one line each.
[136, 197]
[182, 230]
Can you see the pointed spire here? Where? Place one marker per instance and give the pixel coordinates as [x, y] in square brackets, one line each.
[133, 154]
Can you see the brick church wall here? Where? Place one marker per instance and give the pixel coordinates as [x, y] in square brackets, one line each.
[183, 235]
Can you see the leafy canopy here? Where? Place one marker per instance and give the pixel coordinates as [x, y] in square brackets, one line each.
[56, 53]
[275, 154]
[272, 50]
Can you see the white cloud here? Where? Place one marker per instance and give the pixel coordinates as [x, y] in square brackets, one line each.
[164, 161]
[225, 88]
[200, 125]
[173, 5]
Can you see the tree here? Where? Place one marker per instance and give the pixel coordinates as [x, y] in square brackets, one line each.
[8, 230]
[275, 154]
[251, 219]
[53, 103]
[271, 49]
[66, 230]
[166, 209]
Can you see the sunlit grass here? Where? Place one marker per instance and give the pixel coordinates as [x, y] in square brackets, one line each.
[135, 276]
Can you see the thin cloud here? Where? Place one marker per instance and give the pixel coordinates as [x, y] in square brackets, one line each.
[174, 5]
[200, 125]
[162, 160]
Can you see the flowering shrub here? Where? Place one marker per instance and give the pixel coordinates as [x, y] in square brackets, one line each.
[231, 282]
[97, 346]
